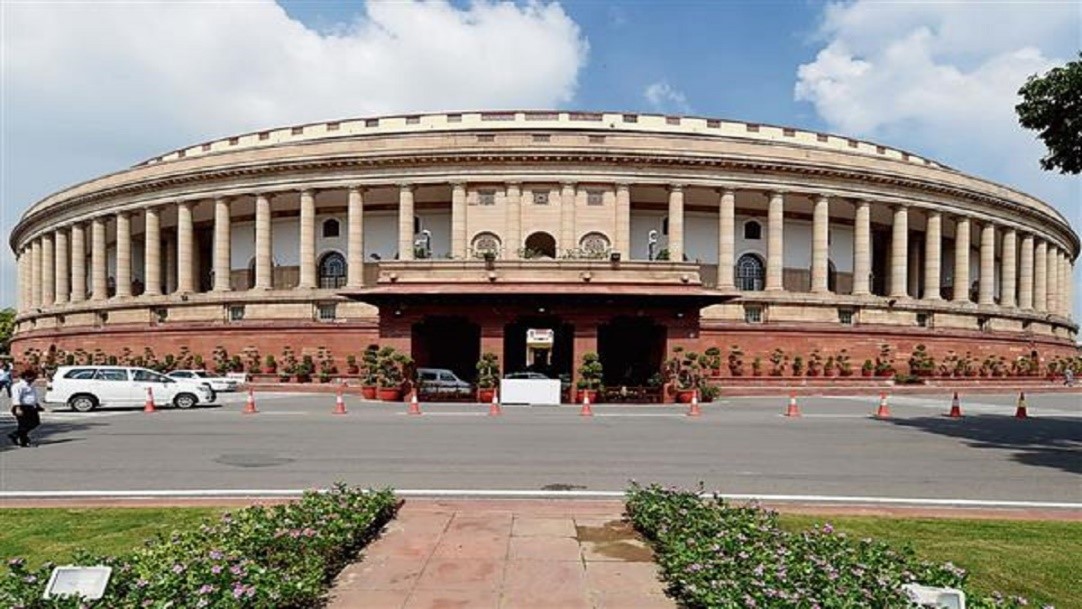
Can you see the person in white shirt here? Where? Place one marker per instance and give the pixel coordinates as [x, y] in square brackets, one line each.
[25, 407]
[5, 378]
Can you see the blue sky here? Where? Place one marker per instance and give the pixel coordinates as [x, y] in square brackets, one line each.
[105, 86]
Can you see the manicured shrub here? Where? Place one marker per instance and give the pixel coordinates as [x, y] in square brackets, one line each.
[716, 555]
[276, 557]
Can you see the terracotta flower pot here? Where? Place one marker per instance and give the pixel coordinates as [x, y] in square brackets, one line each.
[368, 392]
[389, 394]
[484, 394]
[590, 393]
[865, 373]
[684, 395]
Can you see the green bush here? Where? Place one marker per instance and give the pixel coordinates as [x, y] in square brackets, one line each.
[273, 557]
[713, 554]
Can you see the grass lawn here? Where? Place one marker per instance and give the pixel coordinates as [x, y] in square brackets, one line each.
[1037, 560]
[40, 535]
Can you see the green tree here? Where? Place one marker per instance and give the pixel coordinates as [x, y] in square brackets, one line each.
[7, 328]
[1052, 106]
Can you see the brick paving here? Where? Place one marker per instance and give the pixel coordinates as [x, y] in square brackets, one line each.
[504, 555]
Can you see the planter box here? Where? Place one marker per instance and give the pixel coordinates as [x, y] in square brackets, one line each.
[389, 394]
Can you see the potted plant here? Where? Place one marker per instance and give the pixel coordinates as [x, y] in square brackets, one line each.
[735, 361]
[351, 364]
[391, 373]
[815, 363]
[921, 362]
[844, 366]
[325, 365]
[590, 375]
[712, 360]
[757, 366]
[798, 365]
[370, 358]
[884, 362]
[968, 365]
[868, 368]
[488, 374]
[830, 369]
[778, 362]
[305, 369]
[684, 370]
[254, 363]
[270, 364]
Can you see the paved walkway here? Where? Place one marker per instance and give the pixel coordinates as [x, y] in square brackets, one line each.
[504, 555]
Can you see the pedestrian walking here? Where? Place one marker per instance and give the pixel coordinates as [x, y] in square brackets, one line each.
[25, 407]
[1068, 377]
[5, 378]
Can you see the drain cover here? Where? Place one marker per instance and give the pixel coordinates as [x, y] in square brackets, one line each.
[560, 486]
[252, 460]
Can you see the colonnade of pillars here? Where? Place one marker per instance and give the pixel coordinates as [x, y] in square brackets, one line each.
[52, 266]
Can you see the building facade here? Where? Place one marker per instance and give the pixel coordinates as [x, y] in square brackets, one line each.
[451, 234]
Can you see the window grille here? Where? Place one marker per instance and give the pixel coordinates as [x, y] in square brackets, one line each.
[750, 273]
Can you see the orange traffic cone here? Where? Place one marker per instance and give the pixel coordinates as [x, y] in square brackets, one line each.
[494, 407]
[956, 408]
[693, 409]
[149, 406]
[1022, 412]
[883, 412]
[339, 403]
[793, 410]
[249, 406]
[415, 407]
[586, 410]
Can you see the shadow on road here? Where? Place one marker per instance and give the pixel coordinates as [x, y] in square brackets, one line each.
[1045, 442]
[50, 432]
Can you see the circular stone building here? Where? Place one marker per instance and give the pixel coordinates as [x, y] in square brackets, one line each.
[446, 235]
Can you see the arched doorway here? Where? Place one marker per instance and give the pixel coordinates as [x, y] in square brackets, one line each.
[540, 245]
[332, 270]
[750, 273]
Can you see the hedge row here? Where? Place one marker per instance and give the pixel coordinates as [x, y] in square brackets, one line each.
[714, 555]
[276, 557]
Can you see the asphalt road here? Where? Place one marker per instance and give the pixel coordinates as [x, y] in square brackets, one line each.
[736, 446]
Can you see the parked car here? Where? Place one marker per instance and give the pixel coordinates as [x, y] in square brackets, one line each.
[84, 388]
[440, 382]
[215, 382]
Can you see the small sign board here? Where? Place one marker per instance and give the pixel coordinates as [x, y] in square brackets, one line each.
[70, 580]
[539, 336]
[931, 596]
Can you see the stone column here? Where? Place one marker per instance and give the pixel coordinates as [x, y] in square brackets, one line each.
[862, 249]
[623, 220]
[820, 247]
[899, 253]
[676, 223]
[458, 220]
[567, 217]
[513, 240]
[1025, 273]
[264, 257]
[405, 221]
[307, 240]
[1040, 276]
[63, 283]
[775, 242]
[98, 272]
[355, 245]
[961, 260]
[727, 240]
[48, 270]
[152, 252]
[222, 245]
[123, 255]
[1070, 287]
[78, 263]
[185, 248]
[21, 301]
[933, 256]
[1053, 280]
[1009, 269]
[986, 289]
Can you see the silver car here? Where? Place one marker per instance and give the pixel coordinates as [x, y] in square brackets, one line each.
[215, 382]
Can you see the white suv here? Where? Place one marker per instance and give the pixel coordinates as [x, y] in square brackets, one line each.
[84, 388]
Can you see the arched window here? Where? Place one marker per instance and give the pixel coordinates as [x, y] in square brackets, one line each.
[595, 245]
[750, 273]
[332, 270]
[331, 228]
[484, 243]
[540, 245]
[753, 231]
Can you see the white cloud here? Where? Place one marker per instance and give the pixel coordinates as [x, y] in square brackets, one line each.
[89, 88]
[942, 79]
[664, 98]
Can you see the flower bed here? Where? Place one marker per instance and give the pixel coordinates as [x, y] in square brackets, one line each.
[715, 555]
[275, 557]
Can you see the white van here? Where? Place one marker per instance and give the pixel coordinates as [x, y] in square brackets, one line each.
[84, 388]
